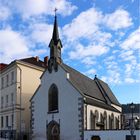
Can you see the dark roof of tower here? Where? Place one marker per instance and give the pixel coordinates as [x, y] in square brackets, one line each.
[55, 36]
[88, 87]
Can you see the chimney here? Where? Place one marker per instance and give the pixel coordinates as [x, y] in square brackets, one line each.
[37, 58]
[46, 60]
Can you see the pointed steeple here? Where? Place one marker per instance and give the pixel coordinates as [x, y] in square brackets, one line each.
[55, 48]
[55, 35]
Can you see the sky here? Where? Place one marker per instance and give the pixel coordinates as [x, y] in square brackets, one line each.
[99, 37]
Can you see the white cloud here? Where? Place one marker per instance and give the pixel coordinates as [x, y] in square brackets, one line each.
[64, 7]
[4, 13]
[128, 55]
[113, 77]
[91, 50]
[132, 1]
[118, 20]
[30, 8]
[91, 72]
[113, 70]
[132, 42]
[88, 61]
[132, 73]
[41, 33]
[12, 45]
[128, 69]
[84, 25]
[130, 80]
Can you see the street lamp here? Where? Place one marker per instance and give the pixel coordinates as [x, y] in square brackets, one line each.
[132, 128]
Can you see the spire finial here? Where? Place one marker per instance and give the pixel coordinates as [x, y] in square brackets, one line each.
[55, 10]
[95, 76]
[55, 36]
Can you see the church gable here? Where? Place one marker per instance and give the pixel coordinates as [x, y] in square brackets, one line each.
[58, 100]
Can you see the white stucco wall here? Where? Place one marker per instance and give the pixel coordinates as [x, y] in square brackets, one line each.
[67, 116]
[110, 135]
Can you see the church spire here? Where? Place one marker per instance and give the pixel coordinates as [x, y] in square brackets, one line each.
[55, 48]
[55, 35]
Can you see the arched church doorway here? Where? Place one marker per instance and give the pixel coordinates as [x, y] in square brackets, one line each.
[95, 138]
[53, 131]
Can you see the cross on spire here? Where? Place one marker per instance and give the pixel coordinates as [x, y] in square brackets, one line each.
[55, 10]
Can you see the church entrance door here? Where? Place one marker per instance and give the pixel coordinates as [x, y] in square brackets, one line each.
[53, 131]
[95, 138]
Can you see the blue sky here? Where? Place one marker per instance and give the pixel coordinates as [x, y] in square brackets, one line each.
[99, 37]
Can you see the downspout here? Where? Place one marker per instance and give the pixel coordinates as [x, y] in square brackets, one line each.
[20, 92]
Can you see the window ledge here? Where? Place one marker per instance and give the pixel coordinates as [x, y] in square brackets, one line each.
[52, 112]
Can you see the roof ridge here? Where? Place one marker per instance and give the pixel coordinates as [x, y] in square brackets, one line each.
[97, 81]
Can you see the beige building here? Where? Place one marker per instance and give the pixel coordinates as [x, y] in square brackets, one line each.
[18, 82]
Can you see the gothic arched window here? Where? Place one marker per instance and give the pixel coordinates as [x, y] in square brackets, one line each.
[111, 121]
[53, 98]
[92, 120]
[96, 115]
[105, 120]
[117, 122]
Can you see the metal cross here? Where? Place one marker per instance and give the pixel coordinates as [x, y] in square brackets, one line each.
[55, 10]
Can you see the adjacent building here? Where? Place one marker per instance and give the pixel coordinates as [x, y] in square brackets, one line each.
[131, 114]
[18, 82]
[67, 103]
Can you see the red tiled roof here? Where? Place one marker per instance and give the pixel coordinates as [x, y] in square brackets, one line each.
[31, 60]
[2, 66]
[34, 61]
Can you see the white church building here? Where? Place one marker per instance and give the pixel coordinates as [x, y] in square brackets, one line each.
[68, 103]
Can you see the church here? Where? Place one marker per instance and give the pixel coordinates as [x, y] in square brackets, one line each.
[67, 103]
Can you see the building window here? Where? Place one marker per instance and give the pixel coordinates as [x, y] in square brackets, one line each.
[12, 98]
[2, 102]
[6, 121]
[117, 123]
[7, 79]
[12, 77]
[12, 120]
[92, 120]
[6, 100]
[105, 120]
[2, 82]
[101, 121]
[2, 122]
[53, 98]
[111, 121]
[96, 115]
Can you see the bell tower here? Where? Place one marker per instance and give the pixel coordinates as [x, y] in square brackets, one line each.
[55, 48]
